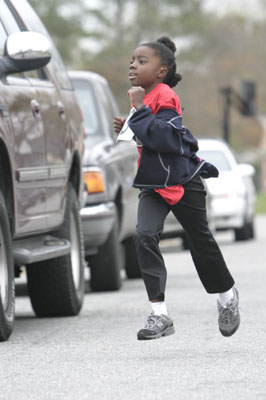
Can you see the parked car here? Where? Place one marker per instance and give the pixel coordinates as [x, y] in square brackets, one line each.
[232, 194]
[109, 167]
[230, 197]
[41, 185]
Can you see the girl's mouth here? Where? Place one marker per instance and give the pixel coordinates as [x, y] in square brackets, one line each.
[132, 75]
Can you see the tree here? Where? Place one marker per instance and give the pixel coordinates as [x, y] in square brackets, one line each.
[212, 51]
[126, 23]
[231, 50]
[64, 21]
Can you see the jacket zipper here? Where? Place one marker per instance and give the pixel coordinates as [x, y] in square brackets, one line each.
[165, 168]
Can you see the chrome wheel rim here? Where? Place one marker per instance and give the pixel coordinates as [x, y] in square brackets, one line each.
[3, 271]
[75, 253]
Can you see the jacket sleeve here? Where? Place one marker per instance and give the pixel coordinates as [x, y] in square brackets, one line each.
[162, 132]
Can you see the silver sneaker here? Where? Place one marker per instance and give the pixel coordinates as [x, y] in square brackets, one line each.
[156, 326]
[229, 317]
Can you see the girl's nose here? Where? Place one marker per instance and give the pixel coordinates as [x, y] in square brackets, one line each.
[132, 65]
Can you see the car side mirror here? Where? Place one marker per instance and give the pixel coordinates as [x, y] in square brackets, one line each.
[25, 51]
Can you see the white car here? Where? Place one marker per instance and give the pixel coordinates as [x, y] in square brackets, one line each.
[230, 197]
[232, 194]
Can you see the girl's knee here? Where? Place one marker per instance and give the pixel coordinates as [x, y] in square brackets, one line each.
[142, 238]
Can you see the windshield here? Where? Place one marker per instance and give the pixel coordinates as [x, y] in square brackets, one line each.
[217, 158]
[87, 103]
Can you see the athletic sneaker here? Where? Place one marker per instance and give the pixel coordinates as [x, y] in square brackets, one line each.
[156, 326]
[229, 317]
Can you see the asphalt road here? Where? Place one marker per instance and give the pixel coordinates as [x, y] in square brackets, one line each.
[96, 356]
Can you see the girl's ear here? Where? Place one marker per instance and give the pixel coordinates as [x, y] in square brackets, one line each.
[163, 72]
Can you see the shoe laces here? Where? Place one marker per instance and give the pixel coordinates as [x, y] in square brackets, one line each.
[227, 313]
[151, 321]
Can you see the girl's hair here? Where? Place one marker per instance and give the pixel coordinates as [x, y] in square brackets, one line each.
[165, 49]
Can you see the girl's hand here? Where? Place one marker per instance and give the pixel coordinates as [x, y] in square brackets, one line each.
[136, 95]
[118, 124]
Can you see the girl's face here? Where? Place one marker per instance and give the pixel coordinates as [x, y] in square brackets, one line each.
[145, 69]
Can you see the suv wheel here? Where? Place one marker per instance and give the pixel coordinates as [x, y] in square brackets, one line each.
[56, 286]
[7, 283]
[246, 232]
[106, 265]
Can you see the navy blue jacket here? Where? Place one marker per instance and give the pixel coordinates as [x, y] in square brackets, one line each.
[168, 156]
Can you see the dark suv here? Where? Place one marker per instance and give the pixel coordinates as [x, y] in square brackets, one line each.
[41, 186]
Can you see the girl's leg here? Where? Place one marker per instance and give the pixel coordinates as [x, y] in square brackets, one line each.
[152, 211]
[207, 257]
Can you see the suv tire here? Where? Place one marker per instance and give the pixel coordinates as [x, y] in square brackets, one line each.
[7, 283]
[56, 286]
[106, 265]
[246, 232]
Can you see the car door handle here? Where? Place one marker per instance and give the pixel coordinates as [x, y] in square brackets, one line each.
[35, 107]
[61, 110]
[4, 110]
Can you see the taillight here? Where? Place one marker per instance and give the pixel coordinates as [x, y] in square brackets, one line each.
[222, 196]
[94, 181]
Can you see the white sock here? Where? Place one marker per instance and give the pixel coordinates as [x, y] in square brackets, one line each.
[226, 297]
[159, 307]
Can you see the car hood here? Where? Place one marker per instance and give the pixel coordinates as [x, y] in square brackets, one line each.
[94, 150]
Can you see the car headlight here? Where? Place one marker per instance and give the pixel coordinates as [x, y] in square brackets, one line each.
[94, 180]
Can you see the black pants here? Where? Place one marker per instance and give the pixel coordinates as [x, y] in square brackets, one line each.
[190, 211]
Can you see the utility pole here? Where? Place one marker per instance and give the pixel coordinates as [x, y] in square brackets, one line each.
[244, 103]
[226, 92]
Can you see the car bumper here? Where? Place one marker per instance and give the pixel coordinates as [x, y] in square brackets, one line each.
[229, 213]
[229, 222]
[97, 223]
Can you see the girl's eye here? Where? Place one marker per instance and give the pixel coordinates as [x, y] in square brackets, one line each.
[141, 61]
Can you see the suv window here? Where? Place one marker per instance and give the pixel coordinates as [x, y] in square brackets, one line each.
[3, 37]
[8, 19]
[8, 24]
[87, 103]
[33, 23]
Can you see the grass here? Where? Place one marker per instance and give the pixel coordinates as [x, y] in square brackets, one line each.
[261, 203]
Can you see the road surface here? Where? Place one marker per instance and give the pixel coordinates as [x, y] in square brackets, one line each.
[96, 356]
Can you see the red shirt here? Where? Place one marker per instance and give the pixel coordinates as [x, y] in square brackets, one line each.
[163, 97]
